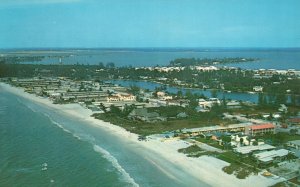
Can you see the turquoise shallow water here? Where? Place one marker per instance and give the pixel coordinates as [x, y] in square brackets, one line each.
[75, 153]
[29, 139]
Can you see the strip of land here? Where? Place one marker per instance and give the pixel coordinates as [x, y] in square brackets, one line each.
[204, 169]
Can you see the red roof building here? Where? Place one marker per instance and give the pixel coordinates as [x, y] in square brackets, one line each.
[259, 129]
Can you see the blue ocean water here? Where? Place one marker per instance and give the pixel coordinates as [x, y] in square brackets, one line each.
[42, 147]
[273, 58]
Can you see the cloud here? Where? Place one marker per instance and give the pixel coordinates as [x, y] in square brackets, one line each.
[34, 2]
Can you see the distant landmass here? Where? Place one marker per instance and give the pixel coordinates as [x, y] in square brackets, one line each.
[209, 61]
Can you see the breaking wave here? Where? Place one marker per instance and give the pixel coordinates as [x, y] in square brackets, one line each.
[105, 154]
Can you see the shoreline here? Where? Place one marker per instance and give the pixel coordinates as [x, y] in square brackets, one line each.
[205, 169]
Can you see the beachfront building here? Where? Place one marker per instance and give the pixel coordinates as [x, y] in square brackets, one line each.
[271, 156]
[211, 129]
[260, 129]
[245, 150]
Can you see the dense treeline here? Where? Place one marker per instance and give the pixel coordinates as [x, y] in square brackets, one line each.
[80, 72]
[227, 79]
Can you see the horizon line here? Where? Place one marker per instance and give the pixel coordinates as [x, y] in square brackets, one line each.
[53, 48]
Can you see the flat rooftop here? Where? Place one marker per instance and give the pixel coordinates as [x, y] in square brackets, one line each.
[217, 127]
[270, 155]
[251, 148]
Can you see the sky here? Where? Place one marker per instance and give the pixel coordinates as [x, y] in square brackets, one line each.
[149, 23]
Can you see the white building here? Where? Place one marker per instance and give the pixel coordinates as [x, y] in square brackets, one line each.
[258, 88]
[121, 97]
[270, 156]
[208, 103]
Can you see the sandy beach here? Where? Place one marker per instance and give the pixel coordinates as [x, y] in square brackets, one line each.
[205, 169]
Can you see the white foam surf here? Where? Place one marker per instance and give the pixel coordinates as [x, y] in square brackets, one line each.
[105, 154]
[60, 126]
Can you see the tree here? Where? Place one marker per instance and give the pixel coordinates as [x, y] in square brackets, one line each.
[109, 93]
[102, 107]
[110, 65]
[255, 143]
[179, 94]
[280, 99]
[134, 89]
[260, 99]
[293, 131]
[189, 95]
[127, 109]
[214, 93]
[114, 109]
[224, 102]
[293, 100]
[81, 87]
[101, 65]
[241, 141]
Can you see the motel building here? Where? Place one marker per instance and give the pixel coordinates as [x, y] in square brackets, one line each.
[121, 97]
[259, 129]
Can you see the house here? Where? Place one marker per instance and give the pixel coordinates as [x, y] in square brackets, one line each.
[181, 102]
[259, 129]
[157, 102]
[271, 156]
[214, 101]
[143, 115]
[182, 115]
[283, 108]
[258, 88]
[233, 104]
[166, 97]
[203, 103]
[294, 144]
[160, 94]
[200, 109]
[55, 95]
[208, 103]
